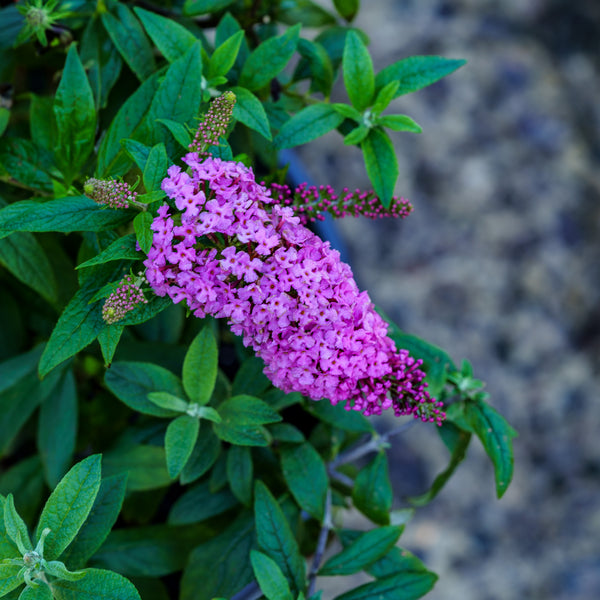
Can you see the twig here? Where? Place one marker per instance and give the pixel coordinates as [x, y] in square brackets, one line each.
[250, 592]
[322, 541]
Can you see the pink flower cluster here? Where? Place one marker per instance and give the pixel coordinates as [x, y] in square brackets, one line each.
[311, 202]
[123, 300]
[112, 193]
[230, 253]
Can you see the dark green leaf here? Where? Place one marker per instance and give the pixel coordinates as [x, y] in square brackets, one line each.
[286, 432]
[204, 455]
[240, 473]
[338, 416]
[9, 578]
[41, 592]
[57, 429]
[73, 213]
[131, 382]
[180, 439]
[4, 119]
[101, 60]
[139, 152]
[200, 367]
[69, 505]
[399, 561]
[401, 586]
[130, 122]
[368, 548]
[416, 72]
[221, 566]
[178, 131]
[399, 123]
[457, 442]
[269, 59]
[200, 7]
[23, 256]
[97, 583]
[270, 578]
[26, 163]
[143, 312]
[122, 248]
[372, 492]
[381, 163]
[17, 367]
[275, 537]
[306, 12]
[26, 480]
[308, 124]
[100, 521]
[242, 417]
[250, 379]
[315, 65]
[359, 78]
[8, 548]
[200, 503]
[75, 117]
[143, 233]
[224, 56]
[155, 169]
[144, 465]
[347, 8]
[42, 123]
[249, 110]
[172, 39]
[306, 476]
[128, 36]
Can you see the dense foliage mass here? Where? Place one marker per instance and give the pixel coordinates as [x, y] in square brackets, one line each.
[186, 368]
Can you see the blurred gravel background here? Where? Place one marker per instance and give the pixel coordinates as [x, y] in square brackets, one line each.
[499, 264]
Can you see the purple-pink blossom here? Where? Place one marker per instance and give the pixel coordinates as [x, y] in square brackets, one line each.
[228, 251]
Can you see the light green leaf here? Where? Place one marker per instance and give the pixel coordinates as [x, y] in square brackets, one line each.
[270, 578]
[357, 135]
[143, 234]
[305, 473]
[224, 56]
[357, 66]
[168, 401]
[172, 39]
[399, 123]
[385, 95]
[15, 526]
[41, 592]
[200, 367]
[269, 59]
[180, 439]
[307, 124]
[57, 568]
[372, 492]
[97, 583]
[240, 473]
[249, 110]
[9, 578]
[381, 163]
[69, 505]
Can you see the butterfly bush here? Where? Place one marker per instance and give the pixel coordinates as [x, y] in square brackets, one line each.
[229, 251]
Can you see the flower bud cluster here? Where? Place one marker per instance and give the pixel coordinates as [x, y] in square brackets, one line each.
[214, 124]
[112, 193]
[311, 202]
[230, 253]
[124, 299]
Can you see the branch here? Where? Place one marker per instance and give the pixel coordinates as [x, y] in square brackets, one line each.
[322, 541]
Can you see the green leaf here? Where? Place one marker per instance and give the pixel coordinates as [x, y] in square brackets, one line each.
[56, 568]
[359, 78]
[306, 476]
[131, 382]
[368, 548]
[168, 401]
[200, 367]
[306, 12]
[57, 429]
[286, 432]
[338, 416]
[385, 95]
[200, 7]
[249, 110]
[357, 135]
[372, 492]
[178, 131]
[399, 123]
[416, 72]
[275, 538]
[23, 256]
[14, 369]
[100, 521]
[7, 546]
[224, 56]
[97, 583]
[69, 505]
[200, 503]
[143, 233]
[242, 417]
[401, 586]
[145, 466]
[4, 119]
[180, 439]
[315, 65]
[495, 434]
[15, 526]
[10, 578]
[101, 60]
[26, 163]
[41, 592]
[270, 578]
[381, 163]
[221, 566]
[137, 151]
[26, 480]
[457, 442]
[347, 8]
[307, 124]
[178, 96]
[42, 122]
[269, 59]
[73, 213]
[122, 248]
[240, 473]
[130, 122]
[128, 36]
[156, 168]
[205, 453]
[172, 39]
[75, 117]
[250, 379]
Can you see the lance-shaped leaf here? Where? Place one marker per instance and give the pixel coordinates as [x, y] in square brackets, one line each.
[200, 7]
[205, 453]
[15, 526]
[26, 163]
[308, 124]
[270, 578]
[316, 65]
[69, 505]
[357, 66]
[407, 586]
[155, 169]
[97, 583]
[249, 110]
[41, 592]
[123, 248]
[381, 163]
[180, 439]
[143, 233]
[10, 578]
[178, 131]
[372, 492]
[240, 471]
[200, 503]
[144, 465]
[347, 8]
[200, 367]
[224, 56]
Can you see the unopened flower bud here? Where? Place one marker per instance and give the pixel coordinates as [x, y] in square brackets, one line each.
[112, 193]
[214, 124]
